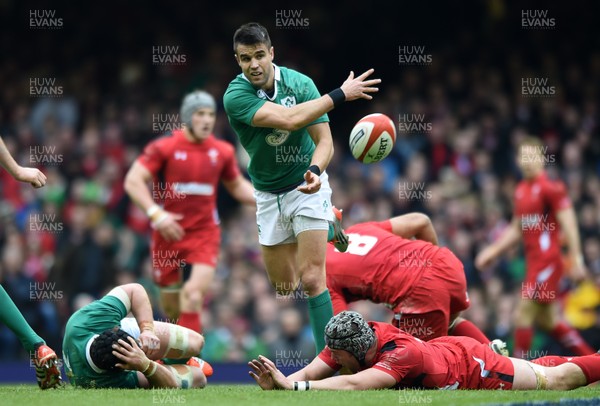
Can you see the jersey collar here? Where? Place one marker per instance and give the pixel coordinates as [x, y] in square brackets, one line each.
[261, 93]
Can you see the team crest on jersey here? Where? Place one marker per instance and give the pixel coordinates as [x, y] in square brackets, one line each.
[213, 154]
[288, 101]
[277, 137]
[180, 155]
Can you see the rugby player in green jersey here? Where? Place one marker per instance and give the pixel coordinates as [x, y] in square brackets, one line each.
[103, 348]
[281, 121]
[43, 357]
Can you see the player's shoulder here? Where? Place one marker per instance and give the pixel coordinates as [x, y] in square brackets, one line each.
[239, 83]
[292, 77]
[163, 141]
[222, 145]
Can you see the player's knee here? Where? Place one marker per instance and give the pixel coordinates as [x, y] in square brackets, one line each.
[565, 377]
[313, 282]
[199, 379]
[195, 343]
[284, 287]
[192, 295]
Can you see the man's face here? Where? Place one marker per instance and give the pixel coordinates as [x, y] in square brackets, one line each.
[345, 359]
[530, 160]
[256, 62]
[203, 123]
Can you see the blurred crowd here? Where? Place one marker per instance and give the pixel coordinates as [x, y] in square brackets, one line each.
[71, 241]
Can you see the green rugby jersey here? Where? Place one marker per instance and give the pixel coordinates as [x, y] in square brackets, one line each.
[278, 158]
[88, 321]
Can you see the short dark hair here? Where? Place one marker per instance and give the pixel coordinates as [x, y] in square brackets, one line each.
[101, 348]
[250, 34]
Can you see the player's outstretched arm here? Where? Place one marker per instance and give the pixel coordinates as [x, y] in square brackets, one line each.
[509, 237]
[273, 115]
[367, 379]
[568, 224]
[268, 377]
[363, 380]
[417, 225]
[33, 176]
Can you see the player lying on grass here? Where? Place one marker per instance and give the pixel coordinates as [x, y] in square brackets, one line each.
[398, 262]
[43, 357]
[103, 348]
[383, 356]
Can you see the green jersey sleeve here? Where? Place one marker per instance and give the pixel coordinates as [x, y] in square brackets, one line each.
[241, 102]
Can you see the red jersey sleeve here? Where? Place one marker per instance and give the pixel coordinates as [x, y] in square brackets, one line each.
[338, 301]
[386, 225]
[400, 361]
[325, 356]
[555, 194]
[231, 169]
[153, 157]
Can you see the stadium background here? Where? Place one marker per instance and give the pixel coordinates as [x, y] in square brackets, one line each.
[73, 240]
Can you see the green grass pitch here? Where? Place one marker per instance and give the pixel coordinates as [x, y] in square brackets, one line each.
[246, 395]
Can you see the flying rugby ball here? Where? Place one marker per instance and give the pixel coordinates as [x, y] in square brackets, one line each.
[372, 138]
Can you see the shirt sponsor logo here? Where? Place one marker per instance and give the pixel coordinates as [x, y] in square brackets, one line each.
[194, 188]
[277, 137]
[180, 155]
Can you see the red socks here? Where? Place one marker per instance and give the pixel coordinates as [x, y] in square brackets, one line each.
[550, 360]
[590, 365]
[467, 328]
[191, 321]
[523, 338]
[570, 339]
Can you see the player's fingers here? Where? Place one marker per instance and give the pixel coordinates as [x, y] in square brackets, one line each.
[366, 74]
[177, 216]
[125, 344]
[371, 82]
[265, 360]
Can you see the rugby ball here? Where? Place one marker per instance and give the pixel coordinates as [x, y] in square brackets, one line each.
[372, 138]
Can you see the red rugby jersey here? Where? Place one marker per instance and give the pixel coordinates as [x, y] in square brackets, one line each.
[187, 175]
[536, 202]
[379, 266]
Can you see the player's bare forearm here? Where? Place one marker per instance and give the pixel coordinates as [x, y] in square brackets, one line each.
[414, 225]
[568, 224]
[294, 118]
[367, 379]
[6, 159]
[272, 115]
[316, 370]
[511, 236]
[241, 190]
[321, 135]
[141, 308]
[136, 186]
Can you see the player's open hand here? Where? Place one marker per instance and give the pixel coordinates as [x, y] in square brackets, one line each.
[131, 355]
[261, 375]
[280, 380]
[150, 344]
[168, 227]
[33, 176]
[312, 185]
[358, 87]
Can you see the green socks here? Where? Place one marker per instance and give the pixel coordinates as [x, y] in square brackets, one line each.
[320, 310]
[14, 320]
[330, 232]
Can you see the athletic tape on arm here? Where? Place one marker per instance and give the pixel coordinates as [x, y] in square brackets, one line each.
[120, 294]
